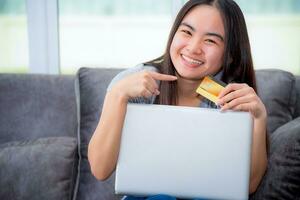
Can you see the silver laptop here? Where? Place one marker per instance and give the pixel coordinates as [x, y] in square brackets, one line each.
[185, 152]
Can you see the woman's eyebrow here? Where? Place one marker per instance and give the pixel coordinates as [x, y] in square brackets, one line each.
[187, 25]
[215, 35]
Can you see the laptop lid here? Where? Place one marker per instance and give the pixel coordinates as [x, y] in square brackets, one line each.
[185, 152]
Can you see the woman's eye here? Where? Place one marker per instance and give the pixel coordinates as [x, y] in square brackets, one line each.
[210, 41]
[186, 32]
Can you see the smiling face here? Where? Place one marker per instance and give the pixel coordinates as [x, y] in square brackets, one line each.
[198, 45]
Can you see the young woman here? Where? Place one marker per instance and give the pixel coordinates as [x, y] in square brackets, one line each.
[208, 37]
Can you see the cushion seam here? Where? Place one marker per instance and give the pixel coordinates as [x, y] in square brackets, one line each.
[71, 192]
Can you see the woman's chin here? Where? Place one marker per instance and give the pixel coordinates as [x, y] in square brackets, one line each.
[191, 77]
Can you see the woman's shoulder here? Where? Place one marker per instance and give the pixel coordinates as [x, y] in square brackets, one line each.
[132, 70]
[137, 68]
[129, 71]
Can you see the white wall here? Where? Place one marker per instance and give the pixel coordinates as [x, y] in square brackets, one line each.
[275, 42]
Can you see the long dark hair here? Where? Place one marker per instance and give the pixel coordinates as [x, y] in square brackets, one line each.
[237, 60]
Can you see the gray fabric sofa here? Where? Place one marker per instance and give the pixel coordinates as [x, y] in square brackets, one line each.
[46, 122]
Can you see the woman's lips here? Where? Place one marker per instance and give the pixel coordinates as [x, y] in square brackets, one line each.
[190, 62]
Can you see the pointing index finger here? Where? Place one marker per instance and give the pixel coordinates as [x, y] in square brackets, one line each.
[163, 77]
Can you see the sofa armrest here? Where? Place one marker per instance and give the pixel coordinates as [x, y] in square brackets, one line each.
[282, 179]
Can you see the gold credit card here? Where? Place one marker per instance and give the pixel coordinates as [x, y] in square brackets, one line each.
[210, 88]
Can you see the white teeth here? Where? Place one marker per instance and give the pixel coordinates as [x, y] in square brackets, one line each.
[192, 60]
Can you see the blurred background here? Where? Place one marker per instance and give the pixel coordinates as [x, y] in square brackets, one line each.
[123, 33]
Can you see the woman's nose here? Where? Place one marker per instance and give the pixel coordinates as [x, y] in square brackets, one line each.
[195, 46]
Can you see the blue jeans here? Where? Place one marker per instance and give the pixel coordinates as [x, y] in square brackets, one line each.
[155, 197]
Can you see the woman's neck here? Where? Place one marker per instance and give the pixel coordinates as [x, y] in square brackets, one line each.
[187, 95]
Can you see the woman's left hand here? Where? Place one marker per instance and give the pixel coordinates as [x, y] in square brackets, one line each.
[241, 97]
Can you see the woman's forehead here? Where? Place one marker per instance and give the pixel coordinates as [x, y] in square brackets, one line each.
[205, 18]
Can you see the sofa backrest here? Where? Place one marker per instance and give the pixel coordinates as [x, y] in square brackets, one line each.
[277, 90]
[35, 106]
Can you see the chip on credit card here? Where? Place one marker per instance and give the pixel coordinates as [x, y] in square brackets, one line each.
[210, 88]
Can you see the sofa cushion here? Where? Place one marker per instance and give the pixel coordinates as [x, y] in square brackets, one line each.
[92, 85]
[282, 180]
[33, 105]
[277, 91]
[38, 169]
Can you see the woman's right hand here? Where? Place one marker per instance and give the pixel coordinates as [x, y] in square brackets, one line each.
[141, 84]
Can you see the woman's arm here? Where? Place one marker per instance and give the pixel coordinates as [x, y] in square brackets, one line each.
[241, 97]
[104, 145]
[103, 149]
[259, 153]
